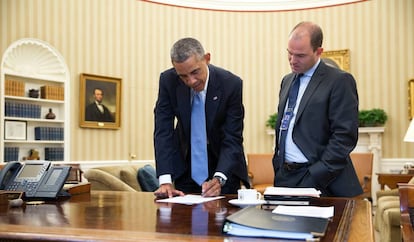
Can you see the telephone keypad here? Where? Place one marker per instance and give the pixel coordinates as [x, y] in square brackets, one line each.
[29, 187]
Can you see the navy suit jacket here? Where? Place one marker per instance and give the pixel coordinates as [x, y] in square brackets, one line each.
[326, 128]
[224, 125]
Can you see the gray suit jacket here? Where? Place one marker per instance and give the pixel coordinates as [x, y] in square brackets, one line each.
[326, 128]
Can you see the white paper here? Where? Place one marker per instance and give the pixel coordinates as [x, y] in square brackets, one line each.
[189, 199]
[306, 211]
[292, 191]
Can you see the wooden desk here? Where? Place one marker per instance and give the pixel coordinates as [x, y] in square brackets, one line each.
[134, 216]
[392, 179]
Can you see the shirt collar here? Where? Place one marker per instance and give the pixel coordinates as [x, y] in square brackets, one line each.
[310, 72]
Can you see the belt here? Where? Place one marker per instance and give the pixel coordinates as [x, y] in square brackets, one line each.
[293, 165]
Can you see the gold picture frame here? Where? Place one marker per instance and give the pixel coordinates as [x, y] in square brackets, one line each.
[337, 58]
[411, 99]
[100, 102]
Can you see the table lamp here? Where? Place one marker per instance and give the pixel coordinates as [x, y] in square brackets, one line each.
[409, 135]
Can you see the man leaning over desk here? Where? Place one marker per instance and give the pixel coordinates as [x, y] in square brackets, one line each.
[220, 165]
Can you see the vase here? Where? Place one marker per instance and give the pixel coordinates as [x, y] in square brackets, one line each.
[34, 93]
[50, 114]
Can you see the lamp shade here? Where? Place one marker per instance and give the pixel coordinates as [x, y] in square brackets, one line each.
[409, 136]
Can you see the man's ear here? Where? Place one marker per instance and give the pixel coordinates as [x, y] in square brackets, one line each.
[319, 51]
[207, 58]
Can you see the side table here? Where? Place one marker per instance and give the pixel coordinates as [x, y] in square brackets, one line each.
[391, 180]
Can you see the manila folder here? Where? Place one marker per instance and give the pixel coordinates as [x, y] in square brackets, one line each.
[255, 222]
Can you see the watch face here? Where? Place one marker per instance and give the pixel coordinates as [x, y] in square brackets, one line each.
[221, 180]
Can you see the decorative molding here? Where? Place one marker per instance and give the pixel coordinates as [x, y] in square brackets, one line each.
[254, 5]
[35, 58]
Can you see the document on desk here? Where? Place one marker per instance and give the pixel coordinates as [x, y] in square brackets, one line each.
[306, 211]
[189, 199]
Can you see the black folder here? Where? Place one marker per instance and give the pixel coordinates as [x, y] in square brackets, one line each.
[255, 222]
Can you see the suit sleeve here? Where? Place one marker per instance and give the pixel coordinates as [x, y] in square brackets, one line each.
[163, 129]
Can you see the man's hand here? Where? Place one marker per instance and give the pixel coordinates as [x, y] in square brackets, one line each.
[167, 191]
[211, 188]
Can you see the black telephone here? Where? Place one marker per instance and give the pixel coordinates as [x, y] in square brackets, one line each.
[37, 179]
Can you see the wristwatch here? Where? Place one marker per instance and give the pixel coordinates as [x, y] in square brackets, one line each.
[221, 180]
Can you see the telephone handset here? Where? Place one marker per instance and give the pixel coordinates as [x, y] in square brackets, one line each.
[37, 179]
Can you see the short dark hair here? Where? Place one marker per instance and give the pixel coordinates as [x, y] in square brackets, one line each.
[315, 32]
[185, 48]
[97, 88]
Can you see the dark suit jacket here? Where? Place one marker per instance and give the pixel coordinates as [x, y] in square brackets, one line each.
[224, 124]
[92, 113]
[326, 128]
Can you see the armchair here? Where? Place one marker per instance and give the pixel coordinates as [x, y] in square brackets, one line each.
[260, 170]
[387, 214]
[406, 193]
[363, 166]
[120, 178]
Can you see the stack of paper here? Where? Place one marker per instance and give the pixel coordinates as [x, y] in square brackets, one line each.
[289, 196]
[306, 211]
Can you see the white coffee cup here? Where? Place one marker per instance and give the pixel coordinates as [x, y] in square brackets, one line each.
[248, 195]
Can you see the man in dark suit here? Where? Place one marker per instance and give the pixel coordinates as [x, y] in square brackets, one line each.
[224, 112]
[323, 129]
[96, 111]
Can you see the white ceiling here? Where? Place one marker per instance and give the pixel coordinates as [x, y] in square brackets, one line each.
[254, 5]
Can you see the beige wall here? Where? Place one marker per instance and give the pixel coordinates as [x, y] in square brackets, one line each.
[131, 39]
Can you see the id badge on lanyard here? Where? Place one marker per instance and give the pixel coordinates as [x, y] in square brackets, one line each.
[286, 119]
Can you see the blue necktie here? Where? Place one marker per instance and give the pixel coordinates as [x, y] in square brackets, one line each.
[288, 115]
[199, 160]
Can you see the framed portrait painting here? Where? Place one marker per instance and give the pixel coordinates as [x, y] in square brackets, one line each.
[337, 58]
[100, 102]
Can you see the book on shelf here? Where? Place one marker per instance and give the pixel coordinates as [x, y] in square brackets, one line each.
[49, 133]
[52, 92]
[255, 222]
[14, 88]
[22, 110]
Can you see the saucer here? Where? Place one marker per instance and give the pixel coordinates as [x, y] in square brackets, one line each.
[243, 204]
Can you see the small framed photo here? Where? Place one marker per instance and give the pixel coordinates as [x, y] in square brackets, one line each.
[100, 102]
[15, 130]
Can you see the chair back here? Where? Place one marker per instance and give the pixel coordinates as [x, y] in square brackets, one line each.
[406, 193]
[260, 168]
[363, 166]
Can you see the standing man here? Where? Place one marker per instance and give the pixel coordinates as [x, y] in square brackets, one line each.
[96, 111]
[222, 162]
[317, 125]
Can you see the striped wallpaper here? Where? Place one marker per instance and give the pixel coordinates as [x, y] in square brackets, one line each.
[131, 39]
